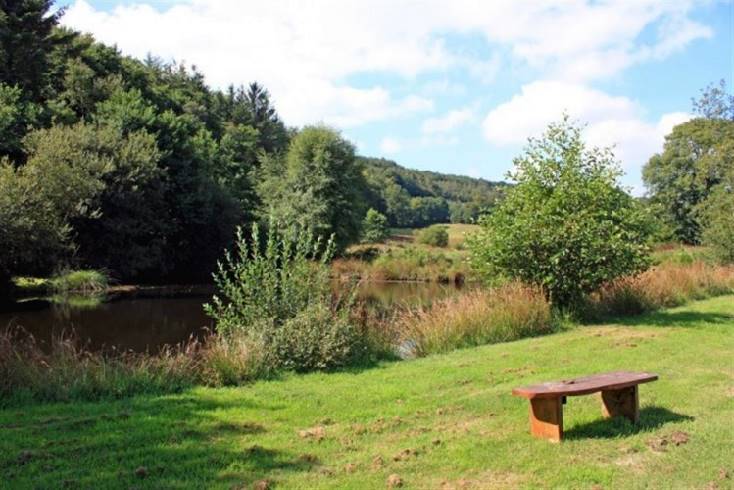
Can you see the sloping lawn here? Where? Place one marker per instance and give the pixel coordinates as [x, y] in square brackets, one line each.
[440, 422]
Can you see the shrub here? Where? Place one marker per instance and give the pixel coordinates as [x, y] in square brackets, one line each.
[374, 227]
[281, 297]
[435, 235]
[566, 226]
[501, 314]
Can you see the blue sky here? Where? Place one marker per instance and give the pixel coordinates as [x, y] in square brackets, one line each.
[447, 86]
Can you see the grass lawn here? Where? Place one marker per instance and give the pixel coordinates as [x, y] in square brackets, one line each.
[445, 421]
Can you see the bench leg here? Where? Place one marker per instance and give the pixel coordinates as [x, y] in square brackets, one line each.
[546, 418]
[624, 402]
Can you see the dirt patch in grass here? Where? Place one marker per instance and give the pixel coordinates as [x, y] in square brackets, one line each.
[663, 443]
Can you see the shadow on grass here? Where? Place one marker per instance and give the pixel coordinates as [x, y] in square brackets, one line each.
[650, 418]
[690, 319]
[666, 318]
[178, 441]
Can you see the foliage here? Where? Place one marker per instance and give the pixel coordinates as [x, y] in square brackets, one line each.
[715, 102]
[414, 198]
[374, 227]
[566, 226]
[717, 217]
[278, 292]
[435, 235]
[696, 156]
[318, 186]
[103, 184]
[33, 236]
[479, 317]
[26, 40]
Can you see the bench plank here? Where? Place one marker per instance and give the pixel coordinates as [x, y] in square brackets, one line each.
[586, 385]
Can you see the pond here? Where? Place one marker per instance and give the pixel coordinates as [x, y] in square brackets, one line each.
[147, 323]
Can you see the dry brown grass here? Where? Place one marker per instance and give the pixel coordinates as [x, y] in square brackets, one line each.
[479, 317]
[664, 286]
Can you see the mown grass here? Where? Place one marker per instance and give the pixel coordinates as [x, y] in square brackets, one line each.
[444, 421]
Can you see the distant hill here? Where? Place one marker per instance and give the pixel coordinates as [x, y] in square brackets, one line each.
[419, 197]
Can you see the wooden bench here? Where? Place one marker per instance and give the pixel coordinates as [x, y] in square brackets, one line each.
[618, 397]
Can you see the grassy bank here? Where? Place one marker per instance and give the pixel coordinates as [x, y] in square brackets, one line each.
[66, 371]
[403, 258]
[445, 421]
[81, 281]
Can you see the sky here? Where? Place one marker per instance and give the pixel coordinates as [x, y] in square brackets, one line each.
[450, 86]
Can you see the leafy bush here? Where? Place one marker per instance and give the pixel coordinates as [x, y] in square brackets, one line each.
[435, 235]
[278, 293]
[566, 226]
[501, 314]
[374, 227]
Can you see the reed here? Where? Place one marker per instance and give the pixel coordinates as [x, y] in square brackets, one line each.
[501, 314]
[667, 285]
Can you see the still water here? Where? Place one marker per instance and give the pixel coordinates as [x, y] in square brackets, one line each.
[142, 324]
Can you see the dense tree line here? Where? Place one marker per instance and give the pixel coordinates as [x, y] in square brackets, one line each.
[139, 168]
[416, 198]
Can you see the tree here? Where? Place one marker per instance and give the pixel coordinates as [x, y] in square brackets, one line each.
[33, 236]
[694, 160]
[103, 184]
[15, 115]
[374, 227]
[319, 185]
[26, 39]
[566, 226]
[717, 217]
[715, 102]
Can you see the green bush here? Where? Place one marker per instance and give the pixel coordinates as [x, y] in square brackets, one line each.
[278, 293]
[567, 226]
[374, 227]
[435, 235]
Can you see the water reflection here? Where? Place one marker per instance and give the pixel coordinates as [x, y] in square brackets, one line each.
[142, 324]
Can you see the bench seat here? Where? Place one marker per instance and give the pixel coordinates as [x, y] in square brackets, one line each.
[619, 397]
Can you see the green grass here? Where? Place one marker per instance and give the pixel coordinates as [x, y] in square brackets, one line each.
[403, 258]
[445, 419]
[82, 281]
[79, 281]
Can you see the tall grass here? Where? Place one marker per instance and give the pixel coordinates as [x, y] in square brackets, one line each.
[667, 285]
[79, 281]
[501, 314]
[65, 370]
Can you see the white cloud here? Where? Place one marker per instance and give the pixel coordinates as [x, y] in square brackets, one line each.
[447, 122]
[305, 52]
[611, 120]
[390, 145]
